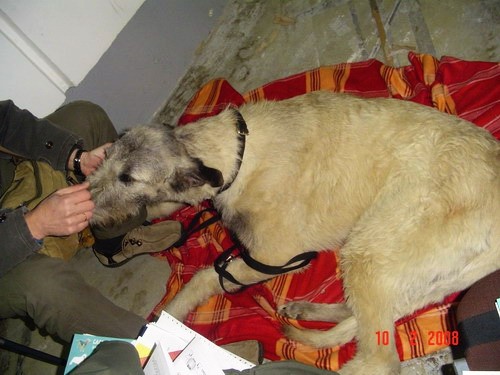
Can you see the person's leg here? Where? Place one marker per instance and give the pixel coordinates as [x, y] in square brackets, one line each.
[56, 297]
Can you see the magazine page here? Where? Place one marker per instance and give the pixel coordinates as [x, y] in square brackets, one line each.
[224, 358]
[83, 345]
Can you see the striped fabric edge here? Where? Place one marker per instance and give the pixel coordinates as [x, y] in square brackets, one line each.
[493, 73]
[396, 82]
[442, 99]
[430, 66]
[425, 333]
[331, 78]
[327, 358]
[205, 99]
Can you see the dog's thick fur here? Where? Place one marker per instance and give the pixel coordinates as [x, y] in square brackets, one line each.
[411, 195]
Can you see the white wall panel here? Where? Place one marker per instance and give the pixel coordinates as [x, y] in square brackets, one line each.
[24, 83]
[61, 39]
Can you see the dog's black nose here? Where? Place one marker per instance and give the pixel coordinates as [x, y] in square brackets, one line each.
[125, 178]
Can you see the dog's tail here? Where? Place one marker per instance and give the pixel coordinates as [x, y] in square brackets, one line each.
[341, 334]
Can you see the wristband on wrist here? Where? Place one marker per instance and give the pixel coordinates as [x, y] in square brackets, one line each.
[77, 168]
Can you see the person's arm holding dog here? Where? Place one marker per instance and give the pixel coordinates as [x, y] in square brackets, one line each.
[67, 210]
[24, 135]
[64, 212]
[61, 213]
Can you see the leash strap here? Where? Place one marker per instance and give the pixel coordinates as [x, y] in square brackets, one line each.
[302, 260]
[223, 260]
[238, 250]
[193, 228]
[220, 266]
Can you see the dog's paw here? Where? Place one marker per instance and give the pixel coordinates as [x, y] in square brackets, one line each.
[341, 334]
[315, 311]
[295, 310]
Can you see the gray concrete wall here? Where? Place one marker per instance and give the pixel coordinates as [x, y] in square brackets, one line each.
[143, 66]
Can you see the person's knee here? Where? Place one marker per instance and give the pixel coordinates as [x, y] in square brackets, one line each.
[84, 108]
[87, 119]
[90, 113]
[48, 280]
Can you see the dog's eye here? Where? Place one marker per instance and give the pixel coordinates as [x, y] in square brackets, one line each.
[125, 178]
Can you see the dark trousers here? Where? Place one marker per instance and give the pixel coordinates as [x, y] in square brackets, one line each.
[55, 296]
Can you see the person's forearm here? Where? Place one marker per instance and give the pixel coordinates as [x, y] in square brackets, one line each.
[17, 241]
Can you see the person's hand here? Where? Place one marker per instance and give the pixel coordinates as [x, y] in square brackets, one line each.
[62, 213]
[89, 160]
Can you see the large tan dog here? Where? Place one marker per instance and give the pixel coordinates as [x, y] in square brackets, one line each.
[411, 195]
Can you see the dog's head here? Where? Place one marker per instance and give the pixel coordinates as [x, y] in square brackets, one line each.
[145, 166]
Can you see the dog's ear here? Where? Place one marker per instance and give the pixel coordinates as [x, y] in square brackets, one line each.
[199, 175]
[211, 175]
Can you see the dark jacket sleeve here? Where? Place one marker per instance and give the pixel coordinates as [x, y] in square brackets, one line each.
[32, 138]
[17, 242]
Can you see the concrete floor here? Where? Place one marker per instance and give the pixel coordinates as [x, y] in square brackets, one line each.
[259, 41]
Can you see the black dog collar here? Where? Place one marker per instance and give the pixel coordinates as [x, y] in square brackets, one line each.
[242, 129]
